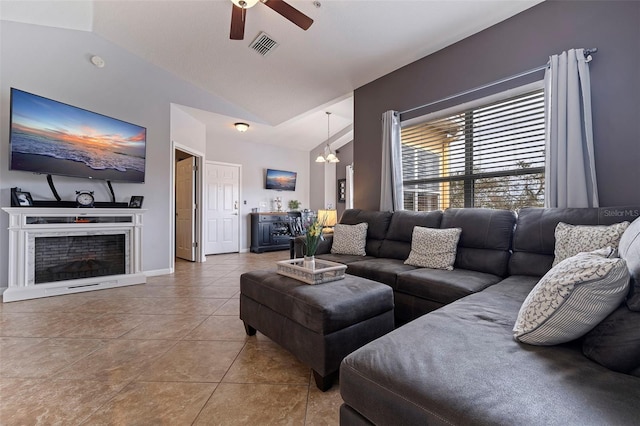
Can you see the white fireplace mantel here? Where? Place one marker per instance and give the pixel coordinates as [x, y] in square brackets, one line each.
[26, 224]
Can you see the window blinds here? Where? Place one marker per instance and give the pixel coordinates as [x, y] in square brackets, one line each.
[488, 156]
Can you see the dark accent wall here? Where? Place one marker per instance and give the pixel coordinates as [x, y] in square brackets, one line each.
[521, 43]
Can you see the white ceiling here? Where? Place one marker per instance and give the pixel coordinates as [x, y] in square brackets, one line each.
[350, 43]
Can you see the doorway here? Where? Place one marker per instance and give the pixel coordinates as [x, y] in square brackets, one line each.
[187, 202]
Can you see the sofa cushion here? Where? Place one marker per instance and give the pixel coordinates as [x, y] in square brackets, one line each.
[350, 239]
[629, 250]
[615, 342]
[345, 259]
[574, 239]
[443, 286]
[434, 248]
[378, 225]
[460, 365]
[484, 232]
[397, 243]
[571, 299]
[534, 236]
[380, 269]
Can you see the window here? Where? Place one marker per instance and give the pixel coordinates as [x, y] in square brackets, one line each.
[491, 155]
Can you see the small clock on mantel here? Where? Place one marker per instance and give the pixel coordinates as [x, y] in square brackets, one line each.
[84, 198]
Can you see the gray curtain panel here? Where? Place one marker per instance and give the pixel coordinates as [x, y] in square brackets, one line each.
[391, 198]
[570, 174]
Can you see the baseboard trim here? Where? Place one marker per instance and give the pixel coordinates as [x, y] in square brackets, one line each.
[58, 288]
[156, 272]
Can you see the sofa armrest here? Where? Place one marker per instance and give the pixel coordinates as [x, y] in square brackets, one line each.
[323, 248]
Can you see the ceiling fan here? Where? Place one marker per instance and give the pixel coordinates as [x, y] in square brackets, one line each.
[239, 13]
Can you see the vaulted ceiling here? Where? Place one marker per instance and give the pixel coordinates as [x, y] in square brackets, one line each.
[349, 44]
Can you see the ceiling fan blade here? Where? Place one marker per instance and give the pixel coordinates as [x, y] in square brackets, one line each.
[238, 15]
[289, 12]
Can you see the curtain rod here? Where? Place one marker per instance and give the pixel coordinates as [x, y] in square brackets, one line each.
[587, 54]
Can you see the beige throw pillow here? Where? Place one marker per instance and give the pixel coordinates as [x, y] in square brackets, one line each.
[433, 248]
[574, 239]
[572, 298]
[350, 239]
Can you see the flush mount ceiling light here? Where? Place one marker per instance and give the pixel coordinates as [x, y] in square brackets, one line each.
[330, 157]
[241, 127]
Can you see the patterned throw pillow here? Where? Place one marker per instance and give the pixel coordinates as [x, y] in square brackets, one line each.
[350, 239]
[574, 239]
[433, 248]
[571, 299]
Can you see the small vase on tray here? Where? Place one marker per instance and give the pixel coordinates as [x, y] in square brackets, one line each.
[309, 262]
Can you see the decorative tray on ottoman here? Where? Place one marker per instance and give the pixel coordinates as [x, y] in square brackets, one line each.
[324, 271]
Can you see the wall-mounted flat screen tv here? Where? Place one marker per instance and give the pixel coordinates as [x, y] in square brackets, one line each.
[51, 137]
[281, 180]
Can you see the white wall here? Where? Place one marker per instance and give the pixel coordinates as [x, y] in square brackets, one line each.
[324, 186]
[187, 131]
[317, 187]
[255, 159]
[54, 63]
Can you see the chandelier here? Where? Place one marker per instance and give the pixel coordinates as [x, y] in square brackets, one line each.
[329, 156]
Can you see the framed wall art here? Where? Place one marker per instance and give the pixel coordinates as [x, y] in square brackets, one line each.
[342, 190]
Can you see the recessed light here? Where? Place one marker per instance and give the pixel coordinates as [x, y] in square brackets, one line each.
[98, 61]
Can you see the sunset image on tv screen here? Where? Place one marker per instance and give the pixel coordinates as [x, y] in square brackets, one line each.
[51, 137]
[281, 180]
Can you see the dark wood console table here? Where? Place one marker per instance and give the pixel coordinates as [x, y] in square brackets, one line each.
[271, 231]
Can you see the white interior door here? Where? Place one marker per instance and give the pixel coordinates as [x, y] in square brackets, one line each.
[223, 208]
[185, 209]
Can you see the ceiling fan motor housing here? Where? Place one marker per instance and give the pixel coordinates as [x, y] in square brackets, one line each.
[245, 4]
[279, 6]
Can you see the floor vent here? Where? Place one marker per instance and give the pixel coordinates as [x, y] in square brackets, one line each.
[263, 44]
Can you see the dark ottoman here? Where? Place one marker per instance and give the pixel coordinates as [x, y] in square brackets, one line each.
[319, 324]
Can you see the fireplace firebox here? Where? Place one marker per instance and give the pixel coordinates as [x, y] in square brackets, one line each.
[75, 257]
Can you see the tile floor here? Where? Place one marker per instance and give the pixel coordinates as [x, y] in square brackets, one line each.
[171, 352]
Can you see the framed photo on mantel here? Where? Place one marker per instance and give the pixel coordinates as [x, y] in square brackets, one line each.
[136, 202]
[19, 198]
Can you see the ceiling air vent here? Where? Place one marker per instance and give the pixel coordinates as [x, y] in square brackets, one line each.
[263, 44]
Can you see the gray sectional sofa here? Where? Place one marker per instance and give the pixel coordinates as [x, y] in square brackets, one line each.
[481, 260]
[459, 363]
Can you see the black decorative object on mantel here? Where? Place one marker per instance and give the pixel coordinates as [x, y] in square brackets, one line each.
[85, 198]
[342, 190]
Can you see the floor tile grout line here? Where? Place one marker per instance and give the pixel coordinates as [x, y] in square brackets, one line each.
[221, 379]
[306, 408]
[244, 345]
